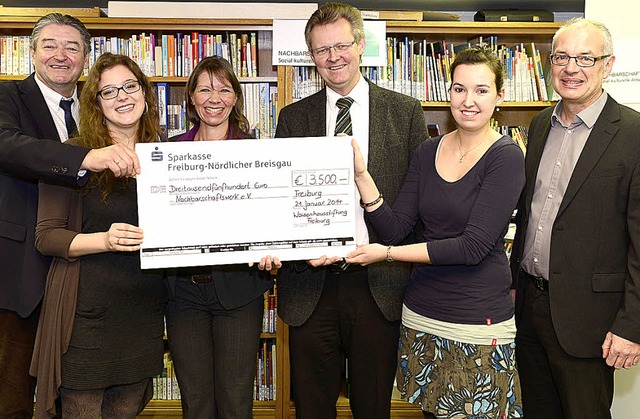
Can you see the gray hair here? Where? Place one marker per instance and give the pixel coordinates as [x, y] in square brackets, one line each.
[60, 19]
[607, 42]
[332, 12]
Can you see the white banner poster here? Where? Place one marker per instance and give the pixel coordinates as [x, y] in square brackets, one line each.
[224, 202]
[290, 47]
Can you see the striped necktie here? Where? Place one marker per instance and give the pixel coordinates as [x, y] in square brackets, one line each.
[68, 117]
[343, 121]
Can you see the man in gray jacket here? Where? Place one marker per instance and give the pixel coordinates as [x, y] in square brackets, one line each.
[355, 311]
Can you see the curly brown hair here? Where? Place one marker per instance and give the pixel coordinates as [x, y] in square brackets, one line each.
[93, 130]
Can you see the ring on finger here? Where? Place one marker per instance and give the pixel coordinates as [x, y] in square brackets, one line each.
[118, 241]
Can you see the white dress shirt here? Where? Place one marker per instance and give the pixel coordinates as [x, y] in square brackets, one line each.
[360, 120]
[52, 98]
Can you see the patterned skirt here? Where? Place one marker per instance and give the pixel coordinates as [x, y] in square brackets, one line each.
[457, 380]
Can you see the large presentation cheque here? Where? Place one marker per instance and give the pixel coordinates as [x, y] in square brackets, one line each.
[223, 202]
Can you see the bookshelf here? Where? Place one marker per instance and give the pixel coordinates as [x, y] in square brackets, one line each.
[508, 33]
[511, 113]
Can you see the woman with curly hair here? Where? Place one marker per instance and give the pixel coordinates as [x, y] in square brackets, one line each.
[99, 339]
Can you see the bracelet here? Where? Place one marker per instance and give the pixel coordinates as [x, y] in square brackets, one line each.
[372, 203]
[389, 257]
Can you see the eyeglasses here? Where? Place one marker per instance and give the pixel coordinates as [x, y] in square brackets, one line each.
[581, 60]
[338, 48]
[111, 92]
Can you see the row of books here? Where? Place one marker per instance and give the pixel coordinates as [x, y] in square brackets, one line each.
[176, 55]
[270, 311]
[517, 133]
[420, 69]
[15, 55]
[265, 380]
[260, 108]
[165, 386]
[306, 81]
[166, 55]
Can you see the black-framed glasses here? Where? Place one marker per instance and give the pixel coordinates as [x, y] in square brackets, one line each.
[338, 48]
[111, 92]
[581, 60]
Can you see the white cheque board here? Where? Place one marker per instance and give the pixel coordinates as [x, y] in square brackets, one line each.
[224, 202]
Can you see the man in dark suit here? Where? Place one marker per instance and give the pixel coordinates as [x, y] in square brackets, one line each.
[33, 125]
[576, 256]
[355, 311]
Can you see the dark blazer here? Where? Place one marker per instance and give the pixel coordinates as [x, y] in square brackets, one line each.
[594, 270]
[396, 128]
[30, 150]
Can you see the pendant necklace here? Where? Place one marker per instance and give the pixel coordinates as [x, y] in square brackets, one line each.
[462, 155]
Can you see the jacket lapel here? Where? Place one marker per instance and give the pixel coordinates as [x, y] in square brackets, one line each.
[37, 107]
[317, 114]
[534, 154]
[598, 141]
[376, 144]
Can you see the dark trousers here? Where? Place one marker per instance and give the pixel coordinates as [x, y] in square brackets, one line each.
[214, 351]
[17, 336]
[556, 385]
[348, 322]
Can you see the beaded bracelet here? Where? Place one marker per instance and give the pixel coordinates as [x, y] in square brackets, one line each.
[372, 203]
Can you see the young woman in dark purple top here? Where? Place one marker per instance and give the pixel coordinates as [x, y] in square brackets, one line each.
[456, 352]
[214, 314]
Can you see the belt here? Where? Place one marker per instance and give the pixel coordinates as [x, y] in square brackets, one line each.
[344, 268]
[196, 274]
[537, 281]
[201, 279]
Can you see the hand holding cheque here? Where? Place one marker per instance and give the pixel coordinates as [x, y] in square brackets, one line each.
[360, 169]
[206, 203]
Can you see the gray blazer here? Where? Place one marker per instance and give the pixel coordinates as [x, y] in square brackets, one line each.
[594, 270]
[30, 150]
[396, 128]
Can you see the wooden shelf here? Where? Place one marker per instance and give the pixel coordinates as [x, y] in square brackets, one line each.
[546, 29]
[502, 105]
[151, 24]
[166, 409]
[178, 80]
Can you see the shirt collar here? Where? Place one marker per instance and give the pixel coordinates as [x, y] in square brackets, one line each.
[587, 116]
[53, 96]
[359, 93]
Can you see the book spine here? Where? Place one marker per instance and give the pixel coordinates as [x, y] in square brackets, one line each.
[165, 55]
[254, 55]
[163, 97]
